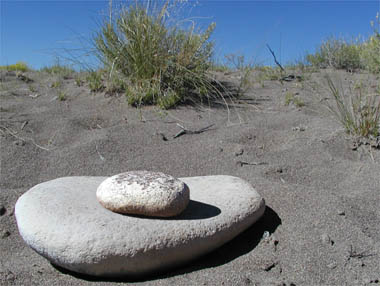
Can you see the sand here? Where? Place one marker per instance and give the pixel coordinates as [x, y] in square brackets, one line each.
[322, 222]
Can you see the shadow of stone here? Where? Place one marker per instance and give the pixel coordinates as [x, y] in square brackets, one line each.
[240, 245]
[195, 210]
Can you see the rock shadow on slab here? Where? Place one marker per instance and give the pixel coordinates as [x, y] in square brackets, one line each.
[240, 245]
[195, 210]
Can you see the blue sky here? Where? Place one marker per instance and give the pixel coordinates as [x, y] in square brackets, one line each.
[37, 31]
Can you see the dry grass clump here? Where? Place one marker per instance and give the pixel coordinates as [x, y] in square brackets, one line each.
[164, 64]
[357, 110]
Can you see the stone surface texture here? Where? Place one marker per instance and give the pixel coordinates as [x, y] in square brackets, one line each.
[144, 193]
[63, 221]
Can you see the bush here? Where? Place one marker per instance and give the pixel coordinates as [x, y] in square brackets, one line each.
[164, 64]
[370, 55]
[337, 53]
[340, 54]
[19, 66]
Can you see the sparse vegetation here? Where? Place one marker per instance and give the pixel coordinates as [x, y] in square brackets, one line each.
[164, 63]
[268, 73]
[95, 82]
[62, 71]
[32, 88]
[78, 80]
[239, 64]
[292, 98]
[58, 69]
[220, 68]
[62, 96]
[56, 84]
[19, 66]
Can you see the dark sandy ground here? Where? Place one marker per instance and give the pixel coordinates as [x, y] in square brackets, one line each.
[322, 197]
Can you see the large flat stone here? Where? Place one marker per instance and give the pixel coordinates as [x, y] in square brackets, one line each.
[63, 221]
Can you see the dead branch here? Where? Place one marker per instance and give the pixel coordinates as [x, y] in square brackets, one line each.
[242, 163]
[187, 131]
[289, 77]
[352, 253]
[14, 134]
[275, 60]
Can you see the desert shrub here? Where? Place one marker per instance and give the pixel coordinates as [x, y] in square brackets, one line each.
[370, 55]
[19, 66]
[164, 63]
[358, 111]
[341, 54]
[337, 53]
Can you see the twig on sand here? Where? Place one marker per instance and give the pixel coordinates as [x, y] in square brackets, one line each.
[241, 163]
[359, 255]
[187, 131]
[14, 134]
[100, 155]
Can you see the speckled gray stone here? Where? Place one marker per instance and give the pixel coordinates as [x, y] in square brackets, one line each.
[63, 221]
[144, 193]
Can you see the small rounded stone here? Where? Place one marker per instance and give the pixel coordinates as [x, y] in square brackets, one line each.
[144, 193]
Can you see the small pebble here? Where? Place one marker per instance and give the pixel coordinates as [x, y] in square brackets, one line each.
[5, 234]
[341, 212]
[10, 276]
[3, 210]
[299, 128]
[326, 239]
[367, 281]
[266, 234]
[239, 151]
[19, 143]
[268, 266]
[332, 265]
